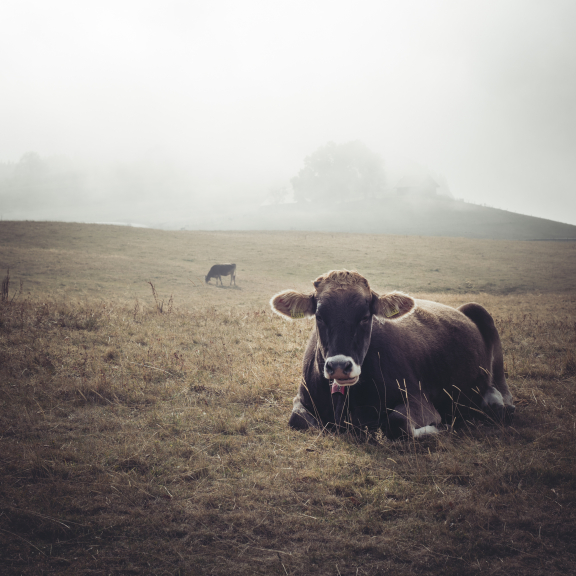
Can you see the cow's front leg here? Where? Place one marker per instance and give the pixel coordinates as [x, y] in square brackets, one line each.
[366, 417]
[495, 407]
[301, 419]
[416, 419]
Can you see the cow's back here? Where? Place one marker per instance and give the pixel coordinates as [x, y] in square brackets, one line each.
[436, 349]
[432, 328]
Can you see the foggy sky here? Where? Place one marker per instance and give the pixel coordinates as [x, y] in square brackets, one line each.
[239, 92]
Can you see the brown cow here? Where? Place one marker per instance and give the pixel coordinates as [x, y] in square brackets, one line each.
[393, 362]
[219, 270]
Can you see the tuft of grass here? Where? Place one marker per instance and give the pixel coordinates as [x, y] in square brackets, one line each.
[569, 364]
[5, 288]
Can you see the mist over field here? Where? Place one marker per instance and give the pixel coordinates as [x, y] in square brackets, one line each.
[205, 115]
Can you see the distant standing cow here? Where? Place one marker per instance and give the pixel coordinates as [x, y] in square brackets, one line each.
[219, 270]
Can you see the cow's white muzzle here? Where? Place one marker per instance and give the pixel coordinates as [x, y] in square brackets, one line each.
[342, 369]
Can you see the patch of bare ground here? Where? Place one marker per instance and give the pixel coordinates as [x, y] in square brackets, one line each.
[154, 440]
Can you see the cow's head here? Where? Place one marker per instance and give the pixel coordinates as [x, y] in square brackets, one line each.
[344, 307]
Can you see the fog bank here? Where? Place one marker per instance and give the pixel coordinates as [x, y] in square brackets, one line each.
[233, 96]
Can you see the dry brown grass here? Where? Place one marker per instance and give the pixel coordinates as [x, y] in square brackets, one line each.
[96, 261]
[134, 441]
[140, 442]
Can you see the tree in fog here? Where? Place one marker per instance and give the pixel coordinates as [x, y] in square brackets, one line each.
[337, 172]
[34, 182]
[278, 195]
[23, 181]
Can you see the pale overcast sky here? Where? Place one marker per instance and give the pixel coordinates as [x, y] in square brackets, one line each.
[483, 92]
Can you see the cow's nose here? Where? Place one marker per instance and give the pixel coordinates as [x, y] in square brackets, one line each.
[332, 366]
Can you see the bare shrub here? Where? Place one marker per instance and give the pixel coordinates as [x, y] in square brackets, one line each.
[5, 287]
[160, 303]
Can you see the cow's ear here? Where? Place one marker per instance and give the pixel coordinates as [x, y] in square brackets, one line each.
[393, 305]
[293, 305]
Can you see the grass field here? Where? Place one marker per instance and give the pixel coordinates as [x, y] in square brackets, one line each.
[84, 260]
[143, 436]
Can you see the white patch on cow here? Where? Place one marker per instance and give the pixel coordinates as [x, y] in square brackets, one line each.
[298, 408]
[297, 405]
[424, 431]
[492, 397]
[354, 373]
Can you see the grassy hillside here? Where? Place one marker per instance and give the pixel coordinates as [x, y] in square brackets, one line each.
[407, 215]
[92, 260]
[135, 441]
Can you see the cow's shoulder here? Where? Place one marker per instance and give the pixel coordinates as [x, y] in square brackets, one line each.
[436, 309]
[429, 314]
[430, 326]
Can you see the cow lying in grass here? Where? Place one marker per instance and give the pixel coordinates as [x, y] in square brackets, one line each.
[393, 362]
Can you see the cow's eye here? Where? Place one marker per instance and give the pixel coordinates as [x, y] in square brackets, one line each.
[319, 320]
[366, 319]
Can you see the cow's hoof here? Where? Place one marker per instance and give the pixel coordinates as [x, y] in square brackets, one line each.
[300, 421]
[509, 413]
[395, 426]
